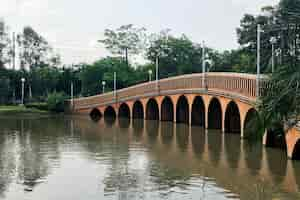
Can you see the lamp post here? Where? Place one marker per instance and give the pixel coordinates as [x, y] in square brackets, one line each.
[150, 75]
[273, 41]
[203, 64]
[103, 86]
[72, 94]
[115, 85]
[259, 31]
[156, 70]
[23, 82]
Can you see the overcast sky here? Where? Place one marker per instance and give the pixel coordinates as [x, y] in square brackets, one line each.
[73, 26]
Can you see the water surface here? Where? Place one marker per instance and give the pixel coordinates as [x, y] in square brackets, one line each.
[74, 158]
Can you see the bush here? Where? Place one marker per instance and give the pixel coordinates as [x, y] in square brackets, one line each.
[37, 105]
[56, 101]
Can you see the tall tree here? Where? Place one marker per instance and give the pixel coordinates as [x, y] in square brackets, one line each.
[34, 49]
[177, 55]
[125, 40]
[5, 45]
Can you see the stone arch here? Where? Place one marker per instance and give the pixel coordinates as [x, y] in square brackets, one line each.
[251, 123]
[124, 111]
[152, 110]
[95, 114]
[138, 110]
[214, 114]
[232, 118]
[167, 109]
[198, 112]
[296, 151]
[275, 137]
[182, 110]
[110, 112]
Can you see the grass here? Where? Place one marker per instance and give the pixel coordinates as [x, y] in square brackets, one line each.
[20, 110]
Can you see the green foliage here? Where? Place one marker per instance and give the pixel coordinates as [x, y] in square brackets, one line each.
[92, 75]
[35, 50]
[5, 45]
[39, 105]
[125, 40]
[56, 101]
[281, 22]
[280, 104]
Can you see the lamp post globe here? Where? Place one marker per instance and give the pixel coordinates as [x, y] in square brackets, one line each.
[150, 74]
[23, 81]
[103, 86]
[273, 41]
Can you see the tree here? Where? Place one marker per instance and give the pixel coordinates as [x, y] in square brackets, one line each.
[5, 45]
[34, 49]
[125, 40]
[176, 55]
[281, 22]
[280, 103]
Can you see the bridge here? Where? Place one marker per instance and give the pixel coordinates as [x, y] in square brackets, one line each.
[224, 101]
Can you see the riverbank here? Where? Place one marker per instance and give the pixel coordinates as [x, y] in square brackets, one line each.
[5, 110]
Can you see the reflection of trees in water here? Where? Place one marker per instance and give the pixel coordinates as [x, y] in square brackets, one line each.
[253, 156]
[38, 143]
[7, 161]
[277, 164]
[165, 178]
[28, 152]
[182, 136]
[121, 178]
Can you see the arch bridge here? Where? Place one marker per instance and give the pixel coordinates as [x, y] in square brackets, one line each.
[224, 101]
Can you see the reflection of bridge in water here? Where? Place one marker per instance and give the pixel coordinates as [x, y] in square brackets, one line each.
[252, 172]
[226, 102]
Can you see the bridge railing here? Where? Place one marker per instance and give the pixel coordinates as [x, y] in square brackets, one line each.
[238, 84]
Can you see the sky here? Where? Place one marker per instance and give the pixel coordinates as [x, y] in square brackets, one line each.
[73, 26]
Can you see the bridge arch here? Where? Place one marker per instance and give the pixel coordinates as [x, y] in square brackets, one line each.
[214, 114]
[232, 118]
[110, 112]
[182, 110]
[95, 114]
[152, 110]
[275, 137]
[296, 151]
[167, 109]
[198, 112]
[137, 110]
[124, 111]
[251, 123]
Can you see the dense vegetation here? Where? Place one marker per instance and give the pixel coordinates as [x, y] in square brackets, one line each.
[45, 75]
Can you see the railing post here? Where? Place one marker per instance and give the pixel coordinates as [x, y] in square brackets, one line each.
[115, 86]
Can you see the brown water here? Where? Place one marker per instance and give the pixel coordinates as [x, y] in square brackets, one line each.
[75, 158]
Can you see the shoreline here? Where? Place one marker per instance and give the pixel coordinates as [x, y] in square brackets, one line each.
[12, 110]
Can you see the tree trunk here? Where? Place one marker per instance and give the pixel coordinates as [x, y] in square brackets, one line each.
[126, 56]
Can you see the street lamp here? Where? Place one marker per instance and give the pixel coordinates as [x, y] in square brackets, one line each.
[273, 41]
[156, 70]
[103, 86]
[259, 31]
[72, 94]
[150, 74]
[23, 81]
[115, 85]
[203, 64]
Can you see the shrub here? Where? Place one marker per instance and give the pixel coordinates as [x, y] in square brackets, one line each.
[56, 101]
[37, 105]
